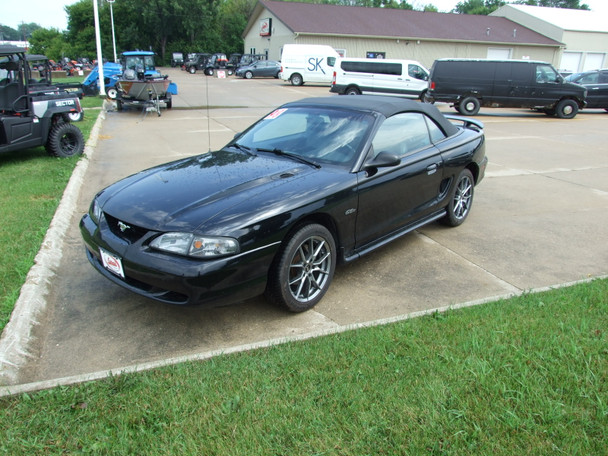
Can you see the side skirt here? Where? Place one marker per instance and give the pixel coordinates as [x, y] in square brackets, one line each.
[356, 254]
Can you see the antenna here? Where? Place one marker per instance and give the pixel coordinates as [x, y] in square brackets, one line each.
[208, 119]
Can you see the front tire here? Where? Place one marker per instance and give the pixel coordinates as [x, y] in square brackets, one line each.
[303, 269]
[112, 93]
[192, 70]
[461, 199]
[248, 75]
[566, 109]
[65, 140]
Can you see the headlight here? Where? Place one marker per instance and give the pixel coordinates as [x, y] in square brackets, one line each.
[188, 244]
[95, 211]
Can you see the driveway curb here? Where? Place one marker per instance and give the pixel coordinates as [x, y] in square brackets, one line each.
[76, 379]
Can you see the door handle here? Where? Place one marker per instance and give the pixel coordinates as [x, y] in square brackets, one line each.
[431, 169]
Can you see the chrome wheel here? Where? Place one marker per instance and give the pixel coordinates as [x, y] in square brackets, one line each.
[309, 269]
[461, 200]
[303, 269]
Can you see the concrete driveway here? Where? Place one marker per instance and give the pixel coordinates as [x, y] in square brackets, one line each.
[540, 219]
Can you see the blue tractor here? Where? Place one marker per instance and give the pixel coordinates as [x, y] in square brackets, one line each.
[111, 73]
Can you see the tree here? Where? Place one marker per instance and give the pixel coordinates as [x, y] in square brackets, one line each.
[9, 33]
[570, 4]
[50, 42]
[485, 7]
[481, 7]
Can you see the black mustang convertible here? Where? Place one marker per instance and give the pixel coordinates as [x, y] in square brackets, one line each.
[313, 183]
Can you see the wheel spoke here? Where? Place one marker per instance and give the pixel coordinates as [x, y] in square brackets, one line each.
[462, 198]
[309, 269]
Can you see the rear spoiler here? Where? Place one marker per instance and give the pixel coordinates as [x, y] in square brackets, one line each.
[466, 122]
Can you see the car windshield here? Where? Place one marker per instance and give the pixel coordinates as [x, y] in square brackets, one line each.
[320, 134]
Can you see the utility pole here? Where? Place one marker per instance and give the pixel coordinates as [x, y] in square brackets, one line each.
[102, 86]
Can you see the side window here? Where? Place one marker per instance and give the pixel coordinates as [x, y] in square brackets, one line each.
[590, 78]
[436, 133]
[402, 134]
[544, 74]
[414, 71]
[604, 77]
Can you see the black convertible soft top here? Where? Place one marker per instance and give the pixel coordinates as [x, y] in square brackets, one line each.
[387, 106]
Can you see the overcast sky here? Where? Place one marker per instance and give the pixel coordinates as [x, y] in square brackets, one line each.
[50, 13]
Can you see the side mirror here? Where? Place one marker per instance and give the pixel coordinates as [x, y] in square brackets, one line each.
[383, 160]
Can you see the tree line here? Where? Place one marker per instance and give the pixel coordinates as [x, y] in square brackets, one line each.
[167, 26]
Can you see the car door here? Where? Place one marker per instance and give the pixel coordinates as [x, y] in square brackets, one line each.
[388, 78]
[397, 196]
[547, 87]
[260, 69]
[596, 84]
[418, 79]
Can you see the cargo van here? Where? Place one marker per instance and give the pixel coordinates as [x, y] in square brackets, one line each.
[302, 63]
[469, 84]
[405, 78]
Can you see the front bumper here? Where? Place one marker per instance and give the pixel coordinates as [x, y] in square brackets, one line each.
[175, 279]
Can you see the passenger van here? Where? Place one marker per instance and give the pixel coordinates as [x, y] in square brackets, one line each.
[302, 63]
[405, 78]
[469, 84]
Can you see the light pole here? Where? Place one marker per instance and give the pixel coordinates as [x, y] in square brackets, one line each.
[113, 36]
[102, 86]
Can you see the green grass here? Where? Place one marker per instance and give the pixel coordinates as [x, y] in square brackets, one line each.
[525, 376]
[31, 187]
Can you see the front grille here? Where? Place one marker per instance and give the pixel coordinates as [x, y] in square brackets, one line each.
[123, 230]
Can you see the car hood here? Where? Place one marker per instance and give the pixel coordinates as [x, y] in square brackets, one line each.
[186, 194]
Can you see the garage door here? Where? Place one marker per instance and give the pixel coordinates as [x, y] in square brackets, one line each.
[593, 61]
[499, 53]
[571, 61]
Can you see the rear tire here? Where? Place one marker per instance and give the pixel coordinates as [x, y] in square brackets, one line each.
[469, 106]
[65, 140]
[296, 79]
[352, 91]
[303, 269]
[461, 199]
[76, 116]
[112, 93]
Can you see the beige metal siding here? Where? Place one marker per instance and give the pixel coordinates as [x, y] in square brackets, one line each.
[424, 51]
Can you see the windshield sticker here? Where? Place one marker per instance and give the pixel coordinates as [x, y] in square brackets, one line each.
[274, 114]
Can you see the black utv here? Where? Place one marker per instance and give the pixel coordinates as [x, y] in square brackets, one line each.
[197, 61]
[34, 112]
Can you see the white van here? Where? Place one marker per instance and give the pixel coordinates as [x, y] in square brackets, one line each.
[302, 63]
[405, 78]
